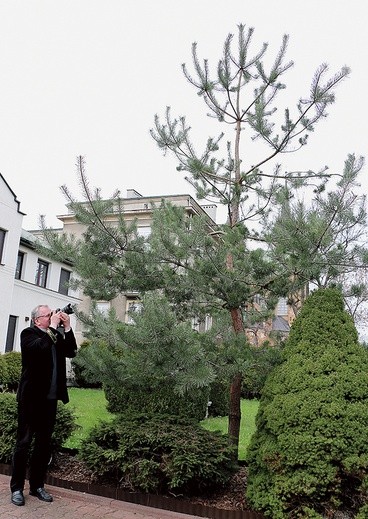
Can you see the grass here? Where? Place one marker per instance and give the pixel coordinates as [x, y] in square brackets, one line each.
[89, 406]
[249, 410]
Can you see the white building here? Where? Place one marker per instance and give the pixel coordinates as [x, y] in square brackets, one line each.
[27, 278]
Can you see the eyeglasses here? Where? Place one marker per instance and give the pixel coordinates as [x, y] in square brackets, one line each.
[39, 316]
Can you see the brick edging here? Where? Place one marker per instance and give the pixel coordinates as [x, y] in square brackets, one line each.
[152, 500]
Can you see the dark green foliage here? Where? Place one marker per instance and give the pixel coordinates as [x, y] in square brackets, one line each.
[8, 426]
[13, 361]
[161, 399]
[219, 398]
[2, 371]
[156, 364]
[310, 451]
[159, 453]
[65, 425]
[265, 358]
[227, 266]
[78, 363]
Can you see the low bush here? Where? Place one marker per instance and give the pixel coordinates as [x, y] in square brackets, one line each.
[162, 400]
[8, 426]
[65, 425]
[2, 372]
[159, 453]
[13, 361]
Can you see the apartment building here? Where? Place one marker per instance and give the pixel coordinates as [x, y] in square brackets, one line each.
[138, 208]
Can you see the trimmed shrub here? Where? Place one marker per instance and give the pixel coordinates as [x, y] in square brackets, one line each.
[162, 400]
[159, 453]
[8, 426]
[265, 358]
[65, 425]
[13, 360]
[309, 455]
[3, 370]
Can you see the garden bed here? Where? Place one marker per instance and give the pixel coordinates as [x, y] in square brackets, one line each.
[67, 471]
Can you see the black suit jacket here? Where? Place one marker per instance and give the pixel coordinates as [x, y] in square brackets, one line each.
[37, 364]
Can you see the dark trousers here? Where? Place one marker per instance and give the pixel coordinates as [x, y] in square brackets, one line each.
[34, 423]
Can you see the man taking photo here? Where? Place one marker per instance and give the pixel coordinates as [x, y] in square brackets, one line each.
[43, 382]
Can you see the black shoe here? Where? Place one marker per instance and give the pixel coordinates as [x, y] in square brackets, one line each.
[17, 498]
[41, 494]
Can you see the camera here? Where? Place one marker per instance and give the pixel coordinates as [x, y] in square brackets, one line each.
[68, 309]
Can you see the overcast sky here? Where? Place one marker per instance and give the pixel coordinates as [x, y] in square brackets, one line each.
[86, 77]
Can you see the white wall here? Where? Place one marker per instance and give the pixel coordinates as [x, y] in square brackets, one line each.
[11, 221]
[19, 296]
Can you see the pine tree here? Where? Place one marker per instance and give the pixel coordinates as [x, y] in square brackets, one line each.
[242, 94]
[227, 268]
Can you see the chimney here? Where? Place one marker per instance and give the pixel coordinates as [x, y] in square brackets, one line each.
[210, 210]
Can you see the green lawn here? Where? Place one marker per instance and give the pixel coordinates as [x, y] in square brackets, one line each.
[90, 407]
[249, 410]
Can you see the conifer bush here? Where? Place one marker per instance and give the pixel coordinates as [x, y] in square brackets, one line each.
[2, 371]
[163, 400]
[64, 426]
[159, 453]
[13, 362]
[309, 454]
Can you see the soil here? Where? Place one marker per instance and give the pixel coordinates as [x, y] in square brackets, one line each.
[68, 467]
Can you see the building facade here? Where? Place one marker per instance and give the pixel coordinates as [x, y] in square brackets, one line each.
[136, 208]
[27, 278]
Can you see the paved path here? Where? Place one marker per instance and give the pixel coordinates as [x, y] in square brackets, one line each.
[69, 504]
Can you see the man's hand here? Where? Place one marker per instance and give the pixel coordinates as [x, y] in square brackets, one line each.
[64, 320]
[55, 319]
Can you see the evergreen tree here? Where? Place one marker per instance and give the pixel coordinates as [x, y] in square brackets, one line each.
[332, 231]
[309, 453]
[227, 268]
[157, 364]
[242, 94]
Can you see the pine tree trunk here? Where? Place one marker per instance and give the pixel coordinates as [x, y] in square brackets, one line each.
[236, 316]
[235, 391]
[235, 412]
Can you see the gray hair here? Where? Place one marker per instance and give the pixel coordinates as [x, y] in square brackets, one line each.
[35, 311]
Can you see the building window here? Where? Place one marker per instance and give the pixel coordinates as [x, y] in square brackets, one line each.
[282, 307]
[19, 267]
[144, 231]
[64, 282]
[9, 345]
[2, 243]
[134, 306]
[196, 324]
[103, 307]
[41, 273]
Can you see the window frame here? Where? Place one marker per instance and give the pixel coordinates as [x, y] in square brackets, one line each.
[3, 233]
[20, 264]
[11, 332]
[64, 283]
[41, 277]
